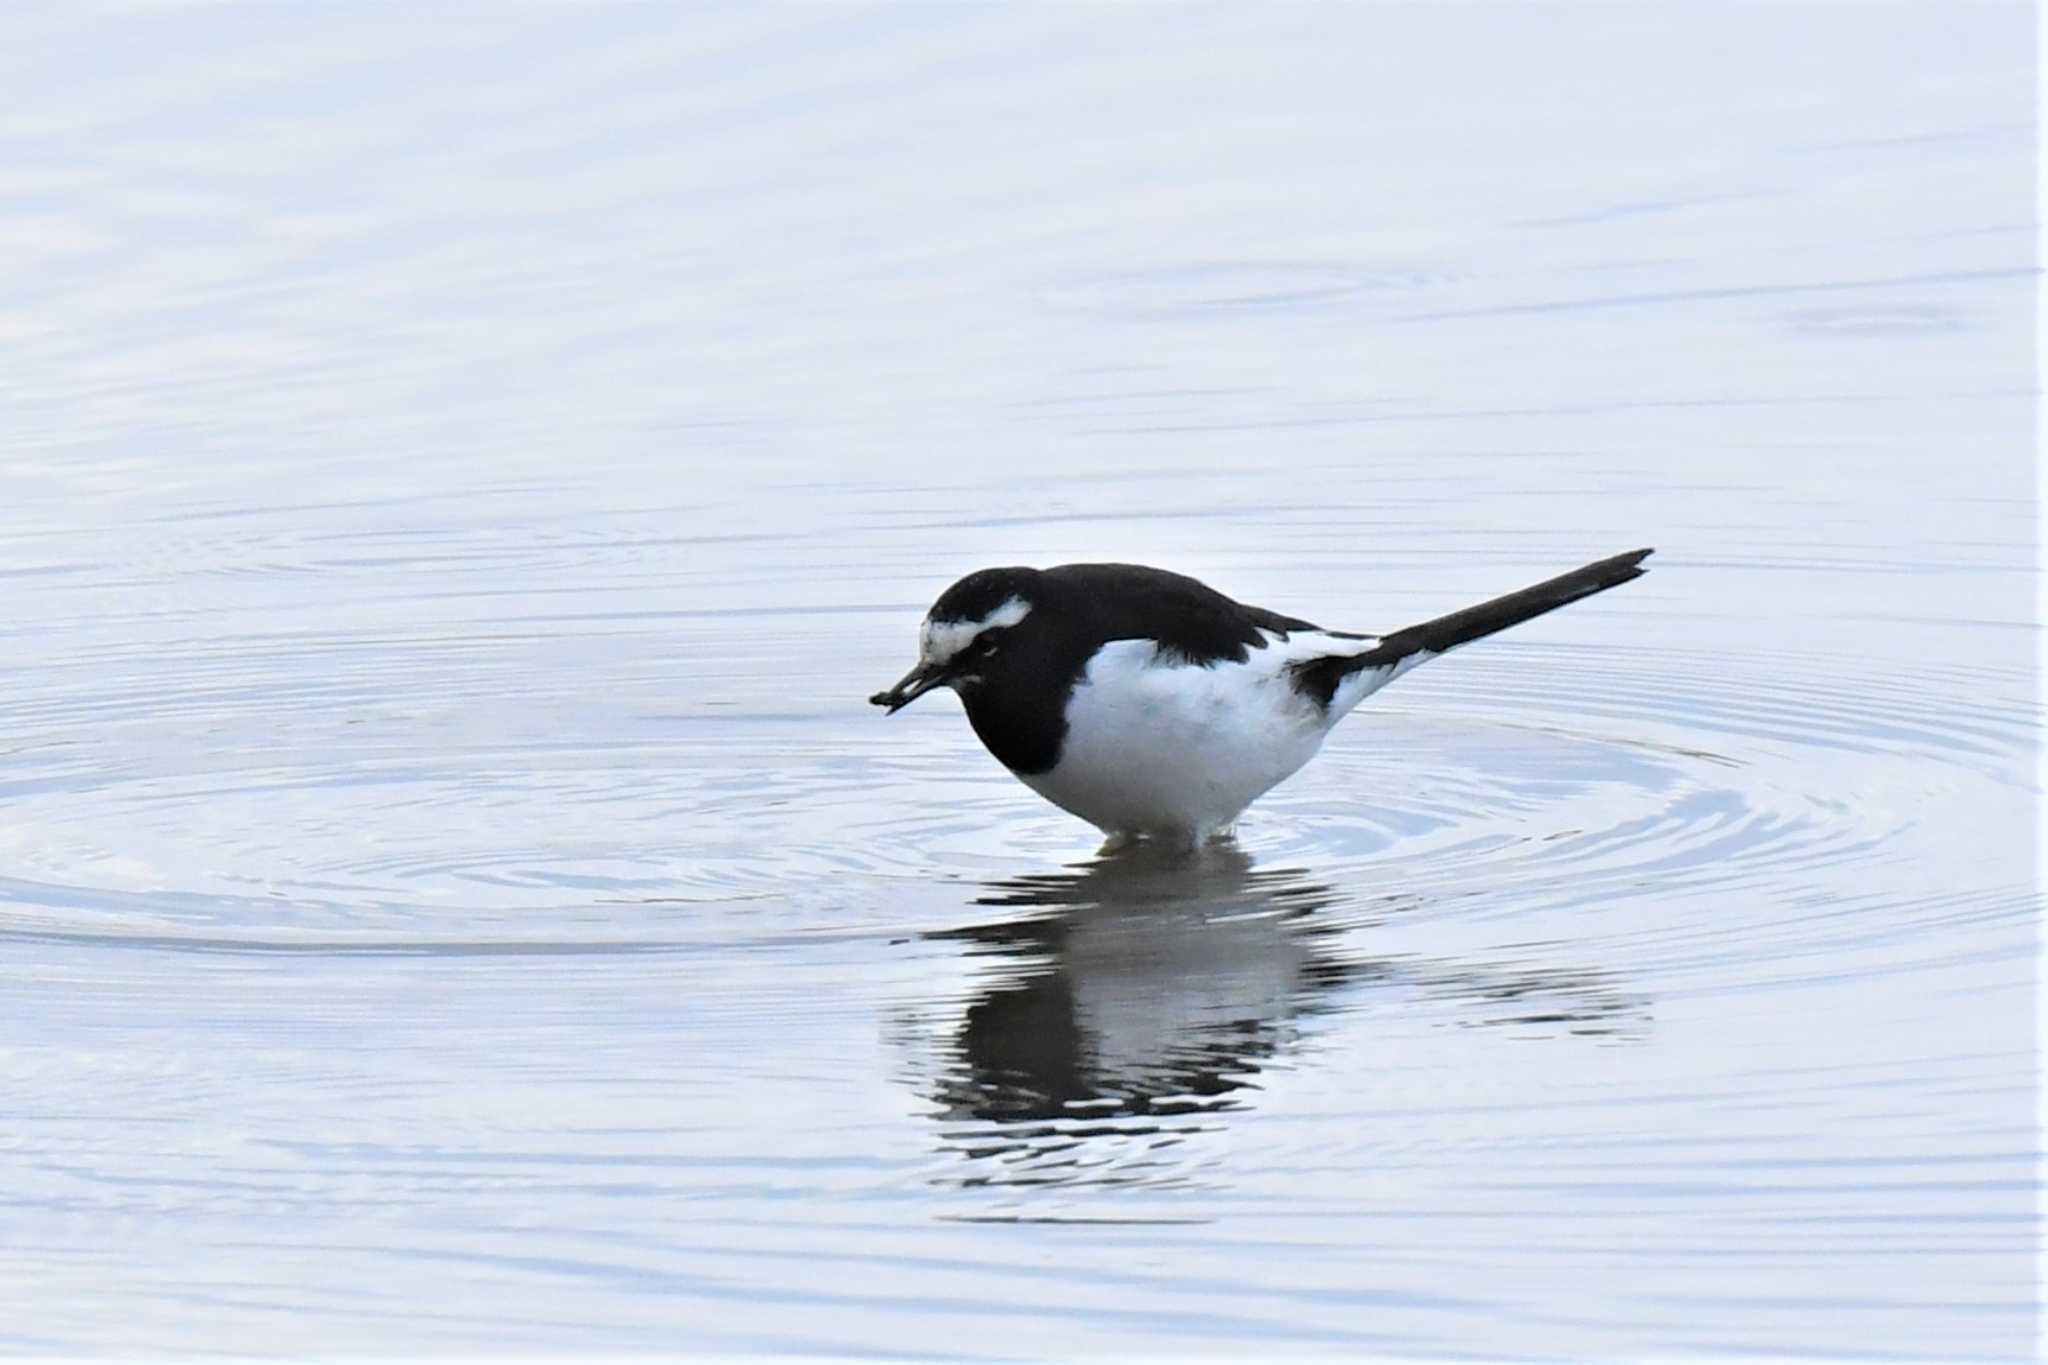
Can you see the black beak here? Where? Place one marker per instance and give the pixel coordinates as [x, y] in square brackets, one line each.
[915, 684]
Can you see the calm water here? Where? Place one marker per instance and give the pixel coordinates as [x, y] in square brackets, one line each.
[464, 471]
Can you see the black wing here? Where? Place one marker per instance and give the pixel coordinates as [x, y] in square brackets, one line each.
[1186, 616]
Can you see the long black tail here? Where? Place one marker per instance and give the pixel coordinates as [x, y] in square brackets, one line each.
[1323, 676]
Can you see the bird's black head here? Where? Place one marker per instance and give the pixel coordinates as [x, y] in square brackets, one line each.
[965, 631]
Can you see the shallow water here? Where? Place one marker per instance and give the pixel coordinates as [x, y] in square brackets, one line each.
[464, 480]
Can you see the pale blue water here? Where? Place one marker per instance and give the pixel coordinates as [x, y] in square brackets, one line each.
[465, 469]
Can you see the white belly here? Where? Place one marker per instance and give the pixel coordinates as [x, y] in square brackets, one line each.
[1161, 747]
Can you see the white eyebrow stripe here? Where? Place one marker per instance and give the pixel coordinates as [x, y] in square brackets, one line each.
[939, 641]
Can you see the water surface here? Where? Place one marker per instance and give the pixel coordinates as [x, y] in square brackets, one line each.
[464, 477]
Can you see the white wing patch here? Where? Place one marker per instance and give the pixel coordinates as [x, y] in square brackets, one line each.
[939, 641]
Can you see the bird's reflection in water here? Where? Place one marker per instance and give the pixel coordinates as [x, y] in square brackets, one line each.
[1141, 1005]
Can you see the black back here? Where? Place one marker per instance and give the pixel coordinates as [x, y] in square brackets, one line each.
[1019, 706]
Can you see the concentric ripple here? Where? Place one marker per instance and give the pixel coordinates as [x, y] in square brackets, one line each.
[397, 781]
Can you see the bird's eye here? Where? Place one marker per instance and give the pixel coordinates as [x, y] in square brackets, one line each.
[987, 643]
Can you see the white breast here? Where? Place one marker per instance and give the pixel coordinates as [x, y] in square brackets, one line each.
[1159, 746]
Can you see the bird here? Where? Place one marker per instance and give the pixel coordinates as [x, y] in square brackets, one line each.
[1156, 708]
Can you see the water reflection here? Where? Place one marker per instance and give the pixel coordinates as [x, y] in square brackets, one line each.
[1151, 992]
[1157, 985]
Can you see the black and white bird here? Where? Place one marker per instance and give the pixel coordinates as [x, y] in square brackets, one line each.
[1151, 705]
